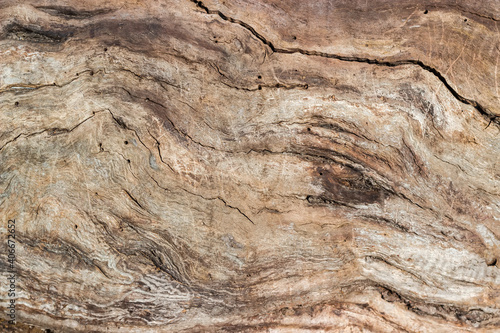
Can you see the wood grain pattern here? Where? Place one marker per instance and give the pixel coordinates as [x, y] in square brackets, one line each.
[251, 166]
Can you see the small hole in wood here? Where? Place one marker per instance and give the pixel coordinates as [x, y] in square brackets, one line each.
[105, 49]
[309, 129]
[259, 77]
[259, 87]
[16, 103]
[126, 142]
[426, 11]
[492, 262]
[128, 161]
[76, 227]
[294, 37]
[465, 20]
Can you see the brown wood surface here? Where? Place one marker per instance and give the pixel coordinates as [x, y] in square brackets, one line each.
[251, 166]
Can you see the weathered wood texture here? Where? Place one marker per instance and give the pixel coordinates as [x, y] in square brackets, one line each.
[252, 166]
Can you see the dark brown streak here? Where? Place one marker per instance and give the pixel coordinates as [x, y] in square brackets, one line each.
[72, 13]
[34, 34]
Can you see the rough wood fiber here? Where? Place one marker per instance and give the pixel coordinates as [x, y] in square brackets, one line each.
[252, 166]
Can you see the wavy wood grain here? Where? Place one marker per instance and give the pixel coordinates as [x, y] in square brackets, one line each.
[251, 166]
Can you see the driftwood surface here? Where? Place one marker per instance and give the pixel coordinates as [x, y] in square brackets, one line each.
[251, 166]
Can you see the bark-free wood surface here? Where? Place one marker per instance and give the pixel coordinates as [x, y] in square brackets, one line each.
[252, 166]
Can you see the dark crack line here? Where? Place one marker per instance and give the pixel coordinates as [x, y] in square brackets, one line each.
[322, 201]
[260, 86]
[122, 156]
[481, 109]
[64, 248]
[455, 165]
[199, 195]
[196, 112]
[485, 191]
[413, 157]
[33, 87]
[185, 135]
[464, 10]
[232, 20]
[158, 184]
[133, 199]
[223, 201]
[150, 78]
[271, 86]
[394, 224]
[8, 185]
[233, 207]
[52, 131]
[122, 124]
[398, 267]
[100, 269]
[159, 152]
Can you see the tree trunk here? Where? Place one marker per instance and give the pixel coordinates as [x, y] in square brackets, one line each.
[250, 166]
